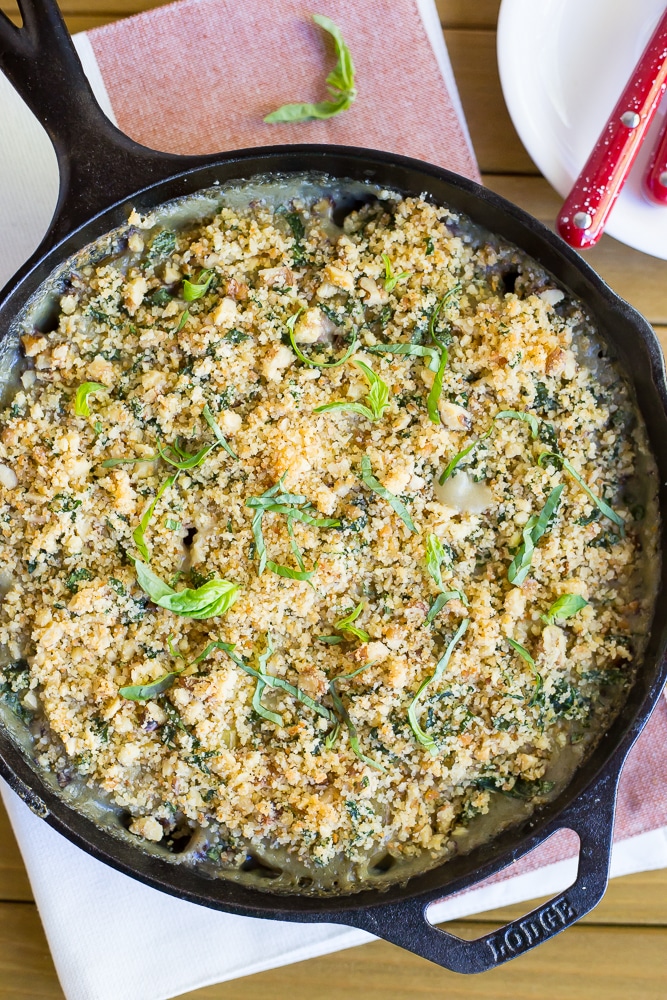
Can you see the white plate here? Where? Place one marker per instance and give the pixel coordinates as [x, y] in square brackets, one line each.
[563, 65]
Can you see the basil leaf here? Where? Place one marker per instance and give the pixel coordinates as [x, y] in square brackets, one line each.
[345, 624]
[359, 408]
[144, 692]
[525, 655]
[602, 506]
[208, 601]
[308, 361]
[138, 533]
[163, 244]
[195, 290]
[444, 598]
[185, 316]
[344, 716]
[527, 418]
[534, 529]
[190, 462]
[261, 684]
[397, 505]
[565, 607]
[213, 424]
[391, 279]
[436, 312]
[330, 640]
[81, 408]
[340, 83]
[423, 738]
[412, 350]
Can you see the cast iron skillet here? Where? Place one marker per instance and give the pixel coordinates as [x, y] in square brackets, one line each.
[102, 174]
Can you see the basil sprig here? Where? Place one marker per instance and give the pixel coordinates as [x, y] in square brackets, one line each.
[81, 407]
[309, 361]
[213, 598]
[527, 658]
[344, 716]
[377, 396]
[397, 505]
[423, 738]
[295, 508]
[193, 290]
[565, 607]
[345, 624]
[602, 506]
[340, 84]
[527, 418]
[391, 279]
[534, 529]
[265, 713]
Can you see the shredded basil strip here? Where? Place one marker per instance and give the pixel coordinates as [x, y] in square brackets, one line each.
[397, 505]
[391, 279]
[195, 290]
[565, 607]
[344, 716]
[221, 439]
[377, 396]
[444, 598]
[433, 398]
[265, 713]
[296, 508]
[345, 624]
[534, 529]
[277, 682]
[81, 407]
[138, 533]
[185, 316]
[412, 350]
[309, 361]
[208, 601]
[435, 556]
[603, 507]
[111, 463]
[527, 418]
[340, 84]
[423, 738]
[525, 655]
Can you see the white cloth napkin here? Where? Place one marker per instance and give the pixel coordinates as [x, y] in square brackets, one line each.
[112, 937]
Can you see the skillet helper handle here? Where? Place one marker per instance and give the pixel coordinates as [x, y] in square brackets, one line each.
[655, 181]
[406, 924]
[582, 218]
[99, 165]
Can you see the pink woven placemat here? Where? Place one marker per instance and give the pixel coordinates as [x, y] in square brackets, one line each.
[199, 76]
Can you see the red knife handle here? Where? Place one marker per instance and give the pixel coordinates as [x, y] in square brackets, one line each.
[655, 181]
[582, 218]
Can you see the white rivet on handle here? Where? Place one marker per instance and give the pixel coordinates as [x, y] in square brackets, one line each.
[662, 179]
[630, 119]
[582, 220]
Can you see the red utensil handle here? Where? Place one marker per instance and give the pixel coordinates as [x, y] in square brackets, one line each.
[582, 218]
[655, 181]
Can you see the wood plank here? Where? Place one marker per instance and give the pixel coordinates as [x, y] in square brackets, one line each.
[464, 14]
[26, 966]
[640, 279]
[77, 22]
[14, 885]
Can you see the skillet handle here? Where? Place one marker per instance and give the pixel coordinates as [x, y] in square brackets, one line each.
[99, 165]
[406, 924]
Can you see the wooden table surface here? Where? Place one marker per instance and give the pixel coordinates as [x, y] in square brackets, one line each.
[619, 952]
